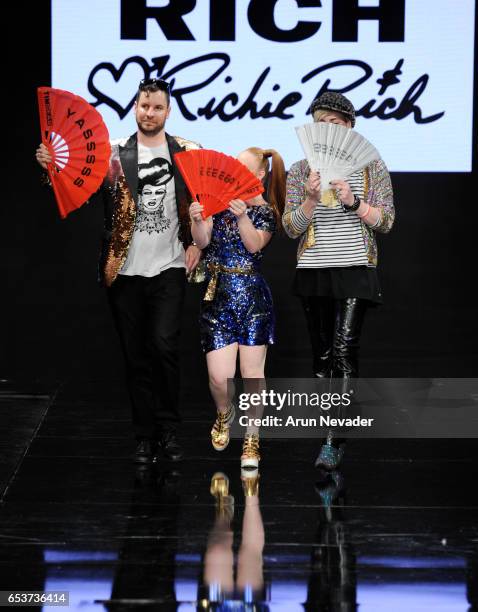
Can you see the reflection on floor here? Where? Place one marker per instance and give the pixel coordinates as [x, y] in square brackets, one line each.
[396, 529]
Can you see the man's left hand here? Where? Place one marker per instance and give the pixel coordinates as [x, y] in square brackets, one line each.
[344, 193]
[193, 255]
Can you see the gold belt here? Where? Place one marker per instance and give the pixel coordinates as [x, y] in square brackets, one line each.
[216, 269]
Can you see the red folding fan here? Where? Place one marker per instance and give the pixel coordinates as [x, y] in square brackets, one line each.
[214, 179]
[78, 141]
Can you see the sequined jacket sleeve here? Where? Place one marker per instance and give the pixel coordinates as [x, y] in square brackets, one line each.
[380, 195]
[294, 220]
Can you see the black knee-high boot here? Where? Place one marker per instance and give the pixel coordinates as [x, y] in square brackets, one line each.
[349, 317]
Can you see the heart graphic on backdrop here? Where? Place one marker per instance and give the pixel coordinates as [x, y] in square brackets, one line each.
[106, 77]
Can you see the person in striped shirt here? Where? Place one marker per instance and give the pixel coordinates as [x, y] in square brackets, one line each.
[336, 277]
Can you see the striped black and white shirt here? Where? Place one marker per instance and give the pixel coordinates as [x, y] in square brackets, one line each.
[338, 234]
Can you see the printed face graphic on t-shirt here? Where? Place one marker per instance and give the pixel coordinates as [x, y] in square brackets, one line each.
[152, 189]
[152, 198]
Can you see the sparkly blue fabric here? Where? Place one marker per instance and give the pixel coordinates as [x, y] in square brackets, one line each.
[241, 310]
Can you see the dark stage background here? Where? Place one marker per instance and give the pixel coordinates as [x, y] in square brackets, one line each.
[55, 323]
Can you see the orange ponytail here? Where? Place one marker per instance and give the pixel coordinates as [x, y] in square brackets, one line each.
[276, 185]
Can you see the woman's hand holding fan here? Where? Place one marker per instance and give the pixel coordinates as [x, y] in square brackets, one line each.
[312, 187]
[344, 192]
[214, 179]
[237, 207]
[196, 212]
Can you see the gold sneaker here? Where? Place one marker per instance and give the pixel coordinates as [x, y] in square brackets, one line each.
[250, 452]
[220, 429]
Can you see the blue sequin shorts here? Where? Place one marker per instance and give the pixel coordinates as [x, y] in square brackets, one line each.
[241, 312]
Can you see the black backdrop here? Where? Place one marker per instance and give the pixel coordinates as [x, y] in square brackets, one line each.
[55, 323]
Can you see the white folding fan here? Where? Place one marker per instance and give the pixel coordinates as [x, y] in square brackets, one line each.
[334, 151]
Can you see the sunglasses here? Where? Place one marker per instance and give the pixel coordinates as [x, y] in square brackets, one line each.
[160, 83]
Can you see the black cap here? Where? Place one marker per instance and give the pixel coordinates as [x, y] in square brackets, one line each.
[334, 101]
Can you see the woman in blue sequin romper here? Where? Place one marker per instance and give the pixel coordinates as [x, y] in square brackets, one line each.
[237, 312]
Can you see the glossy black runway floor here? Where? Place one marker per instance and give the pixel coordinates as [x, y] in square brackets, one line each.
[397, 529]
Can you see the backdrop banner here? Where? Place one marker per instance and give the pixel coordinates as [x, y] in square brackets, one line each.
[244, 73]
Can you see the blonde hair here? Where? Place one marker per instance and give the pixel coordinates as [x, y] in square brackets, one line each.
[275, 172]
[320, 113]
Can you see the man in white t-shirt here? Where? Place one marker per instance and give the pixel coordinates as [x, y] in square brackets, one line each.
[147, 250]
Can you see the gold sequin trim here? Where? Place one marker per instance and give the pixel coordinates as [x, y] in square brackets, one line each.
[188, 145]
[329, 198]
[307, 241]
[287, 220]
[123, 227]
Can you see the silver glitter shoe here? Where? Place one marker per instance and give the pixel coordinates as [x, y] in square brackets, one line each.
[330, 457]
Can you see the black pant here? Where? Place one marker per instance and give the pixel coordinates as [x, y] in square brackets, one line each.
[147, 314]
[334, 328]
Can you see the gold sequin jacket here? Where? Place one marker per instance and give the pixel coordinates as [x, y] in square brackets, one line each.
[377, 192]
[119, 193]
